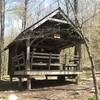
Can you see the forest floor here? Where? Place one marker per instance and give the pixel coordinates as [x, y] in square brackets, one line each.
[49, 90]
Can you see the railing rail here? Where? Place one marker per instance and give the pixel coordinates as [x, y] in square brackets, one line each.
[46, 60]
[19, 61]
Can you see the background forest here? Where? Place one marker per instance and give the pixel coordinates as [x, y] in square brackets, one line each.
[88, 17]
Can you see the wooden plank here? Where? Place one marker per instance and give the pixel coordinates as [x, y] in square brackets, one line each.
[71, 65]
[55, 64]
[44, 72]
[20, 72]
[45, 54]
[73, 60]
[28, 54]
[18, 56]
[39, 64]
[58, 20]
[49, 61]
[32, 54]
[29, 83]
[17, 59]
[20, 82]
[45, 64]
[45, 57]
[54, 72]
[19, 65]
[45, 19]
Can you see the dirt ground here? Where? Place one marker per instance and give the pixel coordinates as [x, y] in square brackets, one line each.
[48, 90]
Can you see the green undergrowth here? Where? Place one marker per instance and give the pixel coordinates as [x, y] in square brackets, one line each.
[92, 98]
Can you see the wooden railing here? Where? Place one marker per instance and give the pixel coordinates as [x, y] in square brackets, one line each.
[44, 61]
[73, 64]
[19, 61]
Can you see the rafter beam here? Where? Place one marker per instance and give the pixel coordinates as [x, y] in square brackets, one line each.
[58, 20]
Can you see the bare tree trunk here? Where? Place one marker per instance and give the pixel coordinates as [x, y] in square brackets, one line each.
[88, 51]
[67, 7]
[2, 17]
[0, 36]
[25, 15]
[93, 73]
[76, 11]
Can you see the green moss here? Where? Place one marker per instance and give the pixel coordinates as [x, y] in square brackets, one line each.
[92, 98]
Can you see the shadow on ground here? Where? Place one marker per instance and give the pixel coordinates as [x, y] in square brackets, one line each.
[36, 84]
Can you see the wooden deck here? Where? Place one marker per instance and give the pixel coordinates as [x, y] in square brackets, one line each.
[52, 73]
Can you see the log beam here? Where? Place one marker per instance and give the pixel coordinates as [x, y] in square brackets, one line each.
[58, 20]
[11, 79]
[29, 83]
[28, 54]
[20, 82]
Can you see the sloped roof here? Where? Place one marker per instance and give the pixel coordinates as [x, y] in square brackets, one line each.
[42, 21]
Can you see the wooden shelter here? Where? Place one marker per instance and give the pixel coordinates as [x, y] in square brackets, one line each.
[36, 50]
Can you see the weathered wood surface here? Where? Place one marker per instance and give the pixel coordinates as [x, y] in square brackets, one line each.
[18, 57]
[46, 64]
[54, 72]
[19, 62]
[42, 60]
[28, 54]
[45, 54]
[45, 57]
[45, 60]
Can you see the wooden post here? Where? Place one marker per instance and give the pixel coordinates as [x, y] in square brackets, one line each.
[32, 58]
[46, 77]
[28, 63]
[2, 25]
[20, 81]
[28, 83]
[49, 60]
[28, 54]
[65, 62]
[11, 79]
[77, 53]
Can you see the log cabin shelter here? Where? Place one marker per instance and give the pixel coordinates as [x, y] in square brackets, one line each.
[36, 50]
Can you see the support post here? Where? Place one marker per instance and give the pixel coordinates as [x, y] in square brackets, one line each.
[46, 77]
[11, 79]
[64, 67]
[28, 67]
[80, 56]
[28, 55]
[77, 54]
[49, 60]
[20, 82]
[28, 83]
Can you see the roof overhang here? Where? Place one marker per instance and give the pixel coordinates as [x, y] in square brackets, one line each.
[52, 17]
